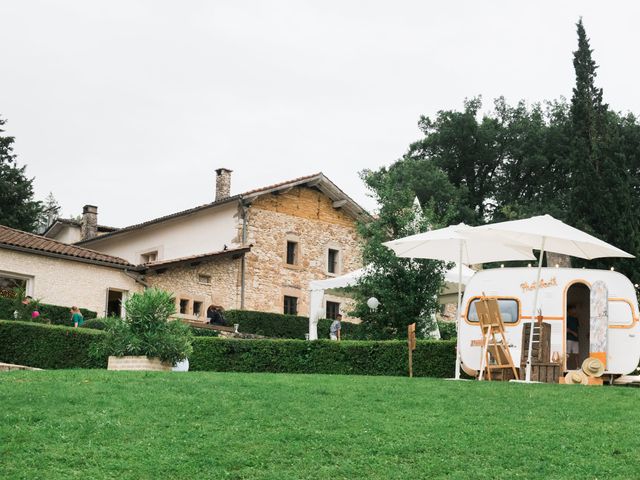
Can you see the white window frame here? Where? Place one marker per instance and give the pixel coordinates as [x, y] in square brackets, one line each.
[29, 279]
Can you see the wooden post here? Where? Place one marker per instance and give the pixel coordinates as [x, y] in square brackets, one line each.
[411, 340]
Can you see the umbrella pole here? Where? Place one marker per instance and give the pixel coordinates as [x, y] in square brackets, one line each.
[533, 315]
[457, 377]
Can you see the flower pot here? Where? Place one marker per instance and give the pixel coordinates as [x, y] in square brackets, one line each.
[181, 366]
[137, 363]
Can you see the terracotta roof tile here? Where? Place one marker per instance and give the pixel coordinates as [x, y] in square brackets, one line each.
[241, 196]
[77, 223]
[10, 237]
[161, 219]
[281, 184]
[195, 258]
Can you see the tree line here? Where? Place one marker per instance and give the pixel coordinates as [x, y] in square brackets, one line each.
[576, 160]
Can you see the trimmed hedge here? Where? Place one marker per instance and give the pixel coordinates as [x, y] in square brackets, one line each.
[47, 346]
[96, 323]
[54, 346]
[276, 325]
[432, 358]
[203, 332]
[55, 314]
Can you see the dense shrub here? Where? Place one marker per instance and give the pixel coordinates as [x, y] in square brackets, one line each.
[433, 358]
[203, 332]
[276, 325]
[447, 330]
[48, 346]
[146, 330]
[54, 314]
[96, 323]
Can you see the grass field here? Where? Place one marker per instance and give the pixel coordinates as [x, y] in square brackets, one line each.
[98, 424]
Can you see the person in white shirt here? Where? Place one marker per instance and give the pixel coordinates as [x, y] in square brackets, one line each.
[334, 331]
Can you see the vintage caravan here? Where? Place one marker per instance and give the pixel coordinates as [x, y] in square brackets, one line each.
[606, 294]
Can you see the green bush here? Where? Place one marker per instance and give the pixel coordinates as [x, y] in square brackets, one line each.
[203, 332]
[432, 358]
[447, 330]
[48, 346]
[97, 323]
[54, 314]
[276, 325]
[147, 330]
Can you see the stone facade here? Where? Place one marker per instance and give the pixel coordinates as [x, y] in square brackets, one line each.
[186, 283]
[302, 215]
[449, 312]
[223, 183]
[306, 216]
[137, 363]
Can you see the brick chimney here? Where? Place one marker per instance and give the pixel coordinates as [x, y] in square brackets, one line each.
[89, 224]
[223, 183]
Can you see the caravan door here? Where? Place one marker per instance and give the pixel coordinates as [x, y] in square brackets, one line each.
[623, 337]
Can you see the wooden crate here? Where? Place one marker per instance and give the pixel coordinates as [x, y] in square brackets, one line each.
[503, 375]
[544, 372]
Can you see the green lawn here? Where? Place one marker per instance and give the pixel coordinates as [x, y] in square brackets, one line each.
[98, 424]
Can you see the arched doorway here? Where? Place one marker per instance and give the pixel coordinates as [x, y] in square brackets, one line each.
[578, 296]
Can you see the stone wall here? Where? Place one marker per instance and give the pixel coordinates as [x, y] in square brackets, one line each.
[183, 282]
[304, 215]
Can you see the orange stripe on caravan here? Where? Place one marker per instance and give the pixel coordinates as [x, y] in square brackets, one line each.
[602, 356]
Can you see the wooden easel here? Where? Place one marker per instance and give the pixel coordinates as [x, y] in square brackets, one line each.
[495, 348]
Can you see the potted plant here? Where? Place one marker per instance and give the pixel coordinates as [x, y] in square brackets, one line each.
[146, 339]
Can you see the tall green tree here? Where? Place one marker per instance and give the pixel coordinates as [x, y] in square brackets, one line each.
[533, 175]
[406, 289]
[602, 178]
[467, 150]
[18, 209]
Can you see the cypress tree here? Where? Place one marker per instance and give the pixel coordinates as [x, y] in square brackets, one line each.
[601, 197]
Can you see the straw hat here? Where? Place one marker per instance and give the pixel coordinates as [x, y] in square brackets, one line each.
[593, 367]
[576, 377]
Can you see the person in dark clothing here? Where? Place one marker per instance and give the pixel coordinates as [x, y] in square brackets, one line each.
[573, 346]
[214, 315]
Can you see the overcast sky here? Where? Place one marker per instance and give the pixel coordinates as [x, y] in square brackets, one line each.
[131, 105]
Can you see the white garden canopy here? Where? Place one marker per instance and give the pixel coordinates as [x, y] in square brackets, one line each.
[318, 287]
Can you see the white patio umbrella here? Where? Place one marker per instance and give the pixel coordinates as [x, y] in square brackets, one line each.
[546, 233]
[459, 243]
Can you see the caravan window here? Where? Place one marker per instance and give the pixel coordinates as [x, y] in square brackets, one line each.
[509, 309]
[620, 313]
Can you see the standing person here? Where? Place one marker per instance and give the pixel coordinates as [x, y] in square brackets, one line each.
[573, 346]
[336, 325]
[76, 317]
[23, 310]
[211, 314]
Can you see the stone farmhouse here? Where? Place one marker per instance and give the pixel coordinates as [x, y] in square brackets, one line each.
[256, 250]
